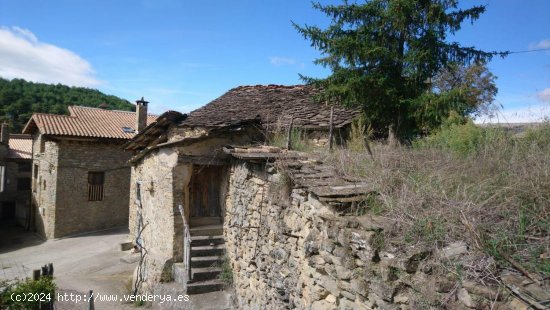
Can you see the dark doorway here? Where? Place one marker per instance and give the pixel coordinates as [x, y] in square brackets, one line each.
[7, 211]
[205, 191]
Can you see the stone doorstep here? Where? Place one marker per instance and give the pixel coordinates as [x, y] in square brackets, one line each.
[209, 230]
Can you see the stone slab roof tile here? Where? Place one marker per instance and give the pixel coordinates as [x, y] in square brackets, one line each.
[271, 104]
[86, 122]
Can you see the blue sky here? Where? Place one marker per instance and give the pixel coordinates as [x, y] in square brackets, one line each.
[182, 54]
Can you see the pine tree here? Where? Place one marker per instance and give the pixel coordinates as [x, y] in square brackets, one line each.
[384, 53]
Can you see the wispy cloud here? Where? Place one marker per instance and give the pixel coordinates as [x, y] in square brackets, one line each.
[22, 55]
[281, 61]
[545, 43]
[544, 95]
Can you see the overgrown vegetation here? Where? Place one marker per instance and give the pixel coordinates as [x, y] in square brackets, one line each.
[226, 274]
[19, 99]
[482, 185]
[31, 294]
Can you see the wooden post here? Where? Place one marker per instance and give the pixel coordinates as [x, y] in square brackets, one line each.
[36, 274]
[330, 129]
[91, 301]
[289, 136]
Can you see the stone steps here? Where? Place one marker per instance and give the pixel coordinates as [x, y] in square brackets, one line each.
[203, 221]
[207, 230]
[208, 250]
[205, 261]
[206, 273]
[204, 287]
[206, 240]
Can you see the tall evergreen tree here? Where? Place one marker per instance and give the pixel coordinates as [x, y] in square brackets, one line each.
[384, 53]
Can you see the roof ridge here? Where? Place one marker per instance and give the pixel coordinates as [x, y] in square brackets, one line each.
[100, 109]
[269, 86]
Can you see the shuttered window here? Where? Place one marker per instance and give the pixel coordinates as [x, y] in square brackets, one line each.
[95, 186]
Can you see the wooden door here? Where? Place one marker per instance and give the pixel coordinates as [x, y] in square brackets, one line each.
[205, 191]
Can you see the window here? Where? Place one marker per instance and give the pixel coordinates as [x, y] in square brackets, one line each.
[23, 184]
[42, 145]
[24, 167]
[95, 185]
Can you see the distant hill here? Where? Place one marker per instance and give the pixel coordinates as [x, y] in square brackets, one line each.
[19, 99]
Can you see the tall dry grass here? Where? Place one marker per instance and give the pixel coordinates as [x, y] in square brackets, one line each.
[478, 185]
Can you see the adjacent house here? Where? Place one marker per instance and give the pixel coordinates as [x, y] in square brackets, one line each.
[80, 173]
[15, 177]
[179, 161]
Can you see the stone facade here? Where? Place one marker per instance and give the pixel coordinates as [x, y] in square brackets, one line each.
[60, 186]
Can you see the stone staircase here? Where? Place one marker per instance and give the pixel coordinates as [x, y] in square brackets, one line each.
[207, 251]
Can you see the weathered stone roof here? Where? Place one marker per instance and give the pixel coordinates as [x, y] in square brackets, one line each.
[310, 174]
[86, 122]
[270, 104]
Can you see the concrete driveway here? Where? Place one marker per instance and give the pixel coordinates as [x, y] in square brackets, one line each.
[82, 263]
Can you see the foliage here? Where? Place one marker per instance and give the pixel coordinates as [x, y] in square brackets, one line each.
[496, 181]
[464, 139]
[382, 53]
[19, 99]
[43, 288]
[226, 274]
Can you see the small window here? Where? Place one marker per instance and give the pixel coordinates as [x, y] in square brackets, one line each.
[23, 184]
[42, 145]
[95, 186]
[24, 167]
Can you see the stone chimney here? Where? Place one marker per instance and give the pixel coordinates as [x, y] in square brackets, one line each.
[141, 113]
[5, 134]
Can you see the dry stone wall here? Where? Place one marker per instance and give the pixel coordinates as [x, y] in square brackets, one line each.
[287, 250]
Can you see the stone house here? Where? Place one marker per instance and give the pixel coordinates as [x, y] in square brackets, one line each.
[80, 175]
[15, 177]
[179, 161]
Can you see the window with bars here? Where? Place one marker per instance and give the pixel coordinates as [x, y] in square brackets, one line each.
[95, 185]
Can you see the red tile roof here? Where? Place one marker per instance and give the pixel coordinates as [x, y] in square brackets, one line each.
[20, 146]
[270, 104]
[86, 122]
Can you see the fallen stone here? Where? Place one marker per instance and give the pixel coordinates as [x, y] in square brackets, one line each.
[126, 246]
[454, 249]
[465, 298]
[331, 298]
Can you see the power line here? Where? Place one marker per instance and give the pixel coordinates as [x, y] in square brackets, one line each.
[530, 51]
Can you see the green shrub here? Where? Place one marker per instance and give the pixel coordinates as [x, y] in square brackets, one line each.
[42, 289]
[466, 139]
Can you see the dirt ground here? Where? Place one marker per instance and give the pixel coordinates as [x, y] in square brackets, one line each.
[81, 263]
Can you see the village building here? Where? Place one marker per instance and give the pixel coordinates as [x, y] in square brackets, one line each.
[15, 178]
[180, 174]
[80, 173]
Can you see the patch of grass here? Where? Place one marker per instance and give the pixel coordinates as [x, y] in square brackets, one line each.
[226, 274]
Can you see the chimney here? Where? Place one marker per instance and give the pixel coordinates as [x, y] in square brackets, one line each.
[141, 112]
[5, 134]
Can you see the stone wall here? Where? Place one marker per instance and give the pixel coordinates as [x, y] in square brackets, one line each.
[44, 184]
[288, 250]
[60, 186]
[74, 213]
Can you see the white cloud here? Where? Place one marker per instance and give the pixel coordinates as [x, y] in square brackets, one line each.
[280, 61]
[540, 45]
[23, 56]
[544, 95]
